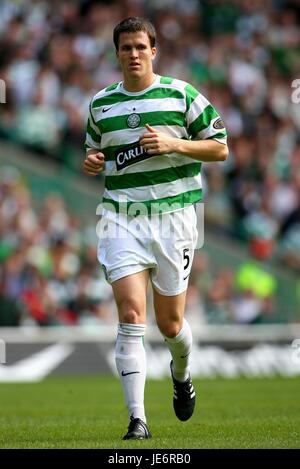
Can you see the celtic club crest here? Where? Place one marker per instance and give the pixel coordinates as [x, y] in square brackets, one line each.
[133, 120]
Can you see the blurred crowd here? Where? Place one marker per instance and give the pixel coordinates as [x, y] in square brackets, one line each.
[243, 56]
[49, 273]
[50, 276]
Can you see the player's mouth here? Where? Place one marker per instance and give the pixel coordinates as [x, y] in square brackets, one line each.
[134, 65]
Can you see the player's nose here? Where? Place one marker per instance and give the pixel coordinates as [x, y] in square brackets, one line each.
[134, 53]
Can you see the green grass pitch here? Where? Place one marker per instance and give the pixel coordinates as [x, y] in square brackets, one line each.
[88, 412]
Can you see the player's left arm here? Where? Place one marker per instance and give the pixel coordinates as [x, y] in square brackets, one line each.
[157, 143]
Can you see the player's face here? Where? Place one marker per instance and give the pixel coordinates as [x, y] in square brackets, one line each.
[135, 55]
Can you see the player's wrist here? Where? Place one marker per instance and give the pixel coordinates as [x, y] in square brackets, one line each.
[178, 145]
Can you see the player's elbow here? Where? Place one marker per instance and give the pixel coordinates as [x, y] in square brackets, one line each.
[222, 153]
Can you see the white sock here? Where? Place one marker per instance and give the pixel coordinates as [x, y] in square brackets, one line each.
[131, 364]
[180, 348]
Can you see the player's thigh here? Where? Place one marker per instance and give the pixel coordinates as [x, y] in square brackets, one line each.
[121, 250]
[174, 252]
[130, 294]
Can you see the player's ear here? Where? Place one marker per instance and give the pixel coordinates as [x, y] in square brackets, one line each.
[154, 50]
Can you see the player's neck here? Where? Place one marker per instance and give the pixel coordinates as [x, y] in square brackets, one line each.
[139, 84]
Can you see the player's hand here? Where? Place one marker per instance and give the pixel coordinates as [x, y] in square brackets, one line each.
[157, 143]
[93, 163]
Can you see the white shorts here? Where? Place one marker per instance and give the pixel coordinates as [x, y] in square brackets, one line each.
[163, 243]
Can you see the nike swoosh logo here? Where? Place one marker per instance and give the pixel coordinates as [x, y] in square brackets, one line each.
[107, 109]
[184, 278]
[184, 356]
[37, 366]
[130, 373]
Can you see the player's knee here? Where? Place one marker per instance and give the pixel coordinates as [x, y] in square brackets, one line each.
[170, 329]
[130, 317]
[129, 312]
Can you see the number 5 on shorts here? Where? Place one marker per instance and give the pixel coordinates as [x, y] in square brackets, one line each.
[186, 259]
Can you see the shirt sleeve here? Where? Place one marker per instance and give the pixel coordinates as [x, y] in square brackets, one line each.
[93, 134]
[203, 120]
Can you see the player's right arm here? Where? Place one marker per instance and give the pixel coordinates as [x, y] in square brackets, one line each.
[94, 160]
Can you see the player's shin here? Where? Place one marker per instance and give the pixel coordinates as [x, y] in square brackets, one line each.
[180, 348]
[131, 364]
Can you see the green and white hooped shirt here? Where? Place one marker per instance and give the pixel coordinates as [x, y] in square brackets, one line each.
[115, 124]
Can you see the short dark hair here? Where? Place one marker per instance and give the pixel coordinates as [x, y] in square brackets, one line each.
[133, 24]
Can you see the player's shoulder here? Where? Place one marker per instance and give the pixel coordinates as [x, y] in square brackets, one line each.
[102, 94]
[176, 83]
